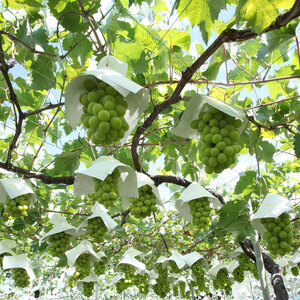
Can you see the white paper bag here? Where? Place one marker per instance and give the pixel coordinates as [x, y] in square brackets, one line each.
[99, 210]
[177, 258]
[6, 245]
[18, 261]
[200, 103]
[194, 191]
[129, 258]
[92, 277]
[192, 257]
[216, 268]
[14, 187]
[60, 225]
[101, 168]
[272, 207]
[143, 179]
[83, 247]
[111, 71]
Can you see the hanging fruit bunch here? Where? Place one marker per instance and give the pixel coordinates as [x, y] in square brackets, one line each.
[201, 212]
[107, 191]
[219, 139]
[103, 112]
[279, 234]
[143, 206]
[18, 206]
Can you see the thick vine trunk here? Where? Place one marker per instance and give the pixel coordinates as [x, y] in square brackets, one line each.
[274, 269]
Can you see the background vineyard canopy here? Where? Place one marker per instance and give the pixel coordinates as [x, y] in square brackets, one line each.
[242, 54]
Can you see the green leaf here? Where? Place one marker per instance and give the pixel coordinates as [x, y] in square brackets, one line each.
[42, 73]
[297, 144]
[234, 216]
[81, 52]
[178, 38]
[259, 14]
[265, 151]
[18, 224]
[201, 12]
[246, 180]
[65, 164]
[276, 37]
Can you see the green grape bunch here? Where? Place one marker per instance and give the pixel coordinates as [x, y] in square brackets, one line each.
[128, 270]
[219, 139]
[175, 290]
[246, 264]
[182, 288]
[198, 272]
[100, 266]
[143, 206]
[174, 267]
[88, 288]
[103, 112]
[142, 282]
[162, 286]
[59, 243]
[295, 271]
[18, 206]
[238, 274]
[83, 265]
[107, 191]
[201, 212]
[279, 234]
[123, 284]
[20, 277]
[222, 281]
[97, 229]
[72, 281]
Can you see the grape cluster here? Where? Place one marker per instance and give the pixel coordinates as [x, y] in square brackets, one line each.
[175, 290]
[128, 270]
[238, 274]
[174, 267]
[83, 265]
[129, 279]
[222, 281]
[72, 281]
[247, 264]
[97, 229]
[201, 212]
[142, 283]
[100, 266]
[198, 272]
[88, 288]
[103, 112]
[219, 139]
[295, 269]
[162, 286]
[1, 258]
[123, 284]
[279, 234]
[18, 206]
[107, 191]
[182, 288]
[20, 277]
[59, 244]
[143, 206]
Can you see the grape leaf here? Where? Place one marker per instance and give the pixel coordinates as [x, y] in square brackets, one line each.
[201, 12]
[297, 144]
[259, 14]
[65, 164]
[246, 180]
[234, 216]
